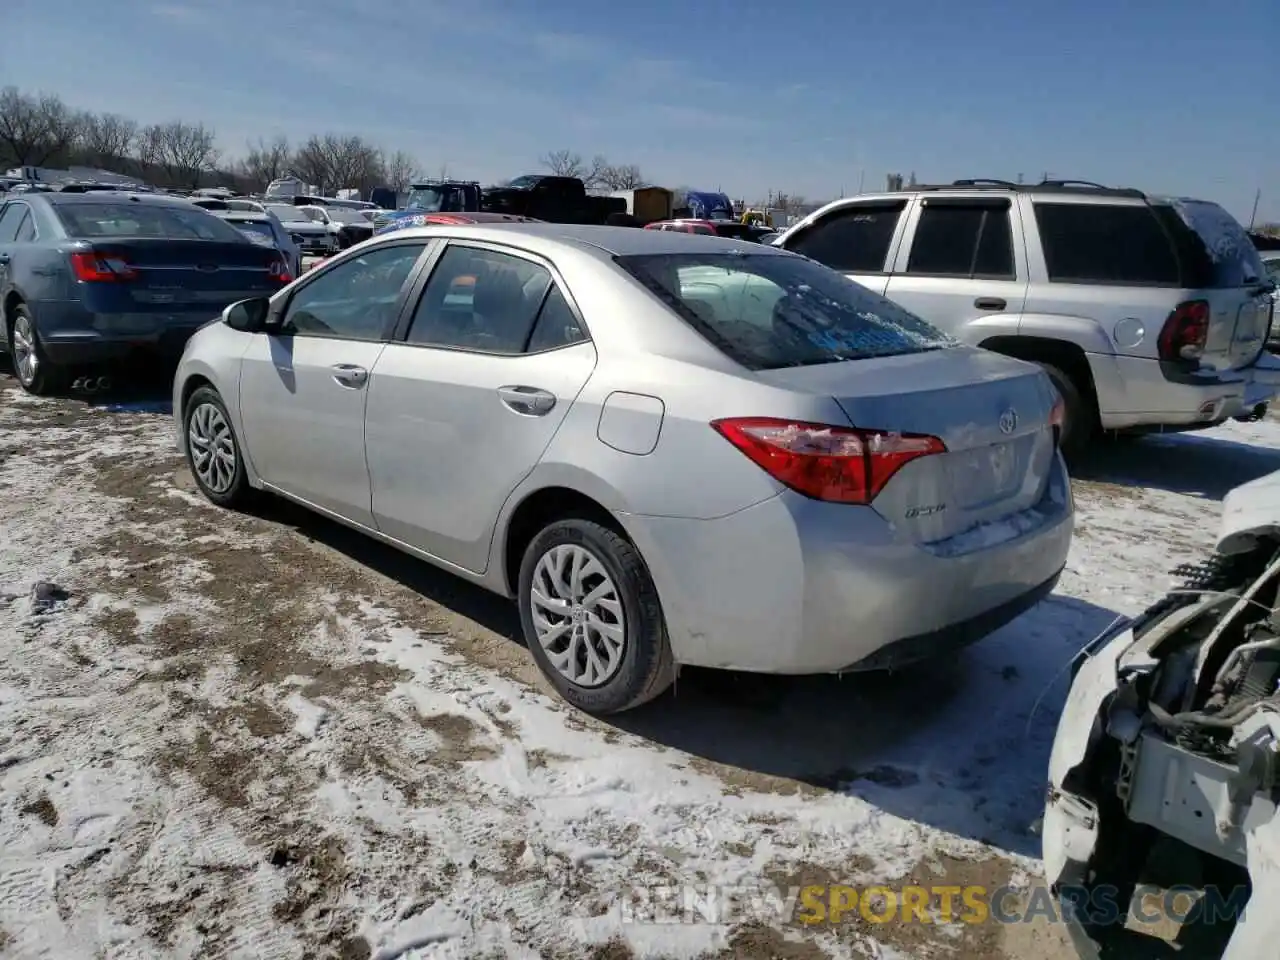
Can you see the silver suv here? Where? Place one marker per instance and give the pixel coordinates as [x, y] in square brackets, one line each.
[1147, 313]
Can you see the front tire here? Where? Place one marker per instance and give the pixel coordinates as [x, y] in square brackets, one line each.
[31, 365]
[213, 452]
[591, 617]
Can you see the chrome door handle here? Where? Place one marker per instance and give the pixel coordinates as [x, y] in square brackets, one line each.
[4, 259]
[527, 401]
[349, 375]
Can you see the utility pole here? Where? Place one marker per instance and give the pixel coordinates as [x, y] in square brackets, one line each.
[861, 175]
[1253, 217]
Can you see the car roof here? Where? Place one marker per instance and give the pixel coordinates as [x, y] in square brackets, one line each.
[118, 196]
[611, 241]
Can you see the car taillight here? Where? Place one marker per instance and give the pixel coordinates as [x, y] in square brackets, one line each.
[279, 272]
[101, 267]
[1058, 417]
[1184, 334]
[838, 464]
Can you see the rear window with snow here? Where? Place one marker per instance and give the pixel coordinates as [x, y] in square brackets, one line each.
[768, 311]
[1233, 260]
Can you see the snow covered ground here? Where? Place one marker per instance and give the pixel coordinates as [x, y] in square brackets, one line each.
[264, 736]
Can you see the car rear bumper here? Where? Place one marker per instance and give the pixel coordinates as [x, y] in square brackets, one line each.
[73, 336]
[1135, 392]
[794, 586]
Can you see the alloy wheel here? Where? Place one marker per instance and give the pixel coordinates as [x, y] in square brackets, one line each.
[26, 362]
[213, 448]
[577, 615]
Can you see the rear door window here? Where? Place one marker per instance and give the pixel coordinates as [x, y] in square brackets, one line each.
[1106, 243]
[767, 311]
[481, 300]
[963, 240]
[26, 229]
[10, 216]
[853, 239]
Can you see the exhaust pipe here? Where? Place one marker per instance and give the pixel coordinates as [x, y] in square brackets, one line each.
[85, 385]
[104, 384]
[1259, 412]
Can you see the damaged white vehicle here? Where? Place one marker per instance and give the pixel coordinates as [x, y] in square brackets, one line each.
[1160, 831]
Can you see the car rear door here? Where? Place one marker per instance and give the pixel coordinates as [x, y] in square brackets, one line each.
[962, 265]
[857, 239]
[465, 400]
[303, 387]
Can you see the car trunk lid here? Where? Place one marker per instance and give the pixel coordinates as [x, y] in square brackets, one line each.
[993, 414]
[169, 275]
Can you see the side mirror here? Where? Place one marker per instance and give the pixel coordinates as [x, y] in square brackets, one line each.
[248, 316]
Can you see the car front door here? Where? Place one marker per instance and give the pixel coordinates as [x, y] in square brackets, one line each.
[963, 266]
[856, 239]
[303, 386]
[464, 402]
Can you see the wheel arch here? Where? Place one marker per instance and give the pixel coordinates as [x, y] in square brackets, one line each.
[1068, 357]
[534, 510]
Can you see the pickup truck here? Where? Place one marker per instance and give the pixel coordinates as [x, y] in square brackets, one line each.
[554, 199]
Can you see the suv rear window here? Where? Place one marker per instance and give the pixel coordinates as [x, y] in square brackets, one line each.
[1215, 249]
[766, 311]
[1106, 243]
[91, 221]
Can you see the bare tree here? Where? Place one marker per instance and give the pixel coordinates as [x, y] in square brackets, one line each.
[335, 162]
[400, 169]
[34, 129]
[593, 173]
[565, 163]
[106, 139]
[265, 162]
[146, 149]
[620, 177]
[184, 151]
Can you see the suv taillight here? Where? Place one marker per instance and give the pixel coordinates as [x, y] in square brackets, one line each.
[1185, 333]
[838, 464]
[95, 267]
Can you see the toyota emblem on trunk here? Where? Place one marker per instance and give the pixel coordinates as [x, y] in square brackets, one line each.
[1009, 421]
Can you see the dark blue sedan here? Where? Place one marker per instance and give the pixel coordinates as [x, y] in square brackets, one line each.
[87, 278]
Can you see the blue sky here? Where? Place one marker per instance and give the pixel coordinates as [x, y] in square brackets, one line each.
[805, 96]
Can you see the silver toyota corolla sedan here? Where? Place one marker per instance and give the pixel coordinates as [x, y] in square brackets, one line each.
[668, 448]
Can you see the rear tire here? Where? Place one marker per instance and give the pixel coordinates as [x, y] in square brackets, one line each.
[610, 653]
[213, 452]
[31, 365]
[1080, 421]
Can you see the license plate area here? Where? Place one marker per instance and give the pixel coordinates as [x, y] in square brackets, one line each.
[984, 475]
[1253, 321]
